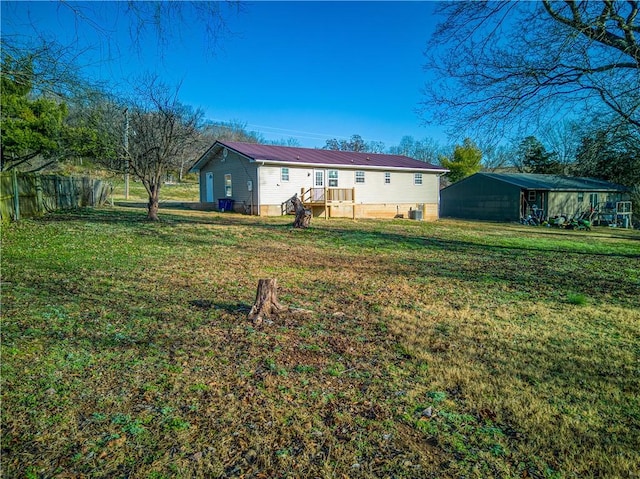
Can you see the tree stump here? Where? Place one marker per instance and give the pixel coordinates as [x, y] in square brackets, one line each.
[266, 303]
[303, 215]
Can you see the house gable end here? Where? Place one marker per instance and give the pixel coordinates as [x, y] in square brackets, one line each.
[211, 153]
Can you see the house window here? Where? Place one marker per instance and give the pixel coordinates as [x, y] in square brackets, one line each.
[580, 197]
[417, 178]
[333, 178]
[387, 178]
[593, 199]
[359, 176]
[227, 186]
[531, 196]
[284, 174]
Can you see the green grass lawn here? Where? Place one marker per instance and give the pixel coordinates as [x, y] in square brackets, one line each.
[186, 191]
[182, 191]
[415, 349]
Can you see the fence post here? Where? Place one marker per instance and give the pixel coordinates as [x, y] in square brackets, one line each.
[74, 200]
[39, 199]
[16, 196]
[58, 188]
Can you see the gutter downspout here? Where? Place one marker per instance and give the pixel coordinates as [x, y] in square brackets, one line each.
[440, 175]
[257, 188]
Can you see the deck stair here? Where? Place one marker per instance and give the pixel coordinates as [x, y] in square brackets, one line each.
[322, 200]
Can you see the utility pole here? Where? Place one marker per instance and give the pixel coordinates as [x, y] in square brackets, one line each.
[126, 153]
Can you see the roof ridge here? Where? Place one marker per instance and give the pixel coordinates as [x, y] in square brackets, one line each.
[552, 181]
[314, 149]
[300, 155]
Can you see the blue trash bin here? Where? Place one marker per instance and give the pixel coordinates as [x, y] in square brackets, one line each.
[225, 204]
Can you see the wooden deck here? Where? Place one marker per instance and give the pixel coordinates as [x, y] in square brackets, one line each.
[313, 198]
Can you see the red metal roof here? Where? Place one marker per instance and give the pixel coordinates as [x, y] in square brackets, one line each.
[286, 154]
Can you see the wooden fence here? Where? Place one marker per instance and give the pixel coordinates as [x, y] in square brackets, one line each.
[30, 194]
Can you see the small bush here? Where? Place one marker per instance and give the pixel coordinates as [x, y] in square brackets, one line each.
[577, 298]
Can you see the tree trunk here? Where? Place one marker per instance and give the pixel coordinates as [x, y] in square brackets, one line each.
[154, 205]
[303, 215]
[266, 303]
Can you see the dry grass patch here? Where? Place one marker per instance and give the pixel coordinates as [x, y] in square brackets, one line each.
[546, 377]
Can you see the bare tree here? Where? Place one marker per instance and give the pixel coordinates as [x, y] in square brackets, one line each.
[518, 65]
[234, 130]
[563, 139]
[47, 67]
[162, 17]
[55, 69]
[497, 157]
[160, 128]
[163, 20]
[428, 149]
[376, 147]
[52, 71]
[355, 143]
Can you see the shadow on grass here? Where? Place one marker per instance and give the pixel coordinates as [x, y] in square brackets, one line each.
[135, 215]
[540, 272]
[227, 307]
[356, 237]
[349, 237]
[552, 278]
[514, 259]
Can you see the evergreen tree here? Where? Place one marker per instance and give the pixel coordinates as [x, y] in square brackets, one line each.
[31, 128]
[534, 158]
[466, 160]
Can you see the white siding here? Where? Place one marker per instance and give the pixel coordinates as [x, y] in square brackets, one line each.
[373, 198]
[400, 190]
[374, 190]
[274, 191]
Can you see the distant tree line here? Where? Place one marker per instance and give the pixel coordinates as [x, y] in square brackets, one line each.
[570, 149]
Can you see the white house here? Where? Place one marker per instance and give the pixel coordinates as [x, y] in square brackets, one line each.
[259, 179]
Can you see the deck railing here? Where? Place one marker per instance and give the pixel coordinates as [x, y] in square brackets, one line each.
[326, 197]
[323, 196]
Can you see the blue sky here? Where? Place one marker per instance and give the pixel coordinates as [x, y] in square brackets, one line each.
[307, 70]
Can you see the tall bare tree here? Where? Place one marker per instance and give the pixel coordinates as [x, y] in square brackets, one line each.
[34, 60]
[163, 20]
[355, 143]
[159, 129]
[500, 66]
[428, 149]
[563, 139]
[497, 157]
[46, 67]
